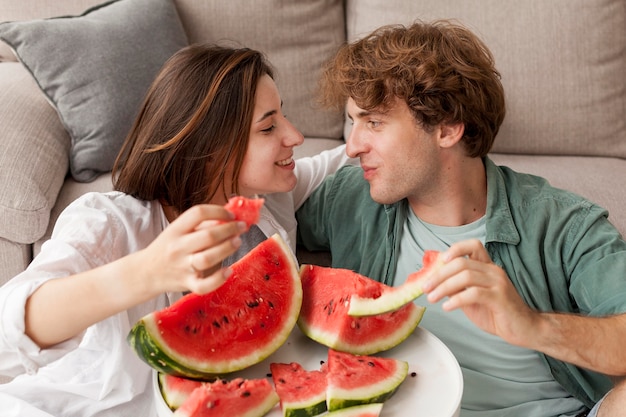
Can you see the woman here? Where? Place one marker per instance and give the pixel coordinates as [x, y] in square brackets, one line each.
[211, 126]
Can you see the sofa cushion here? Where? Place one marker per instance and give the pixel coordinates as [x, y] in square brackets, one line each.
[11, 10]
[297, 36]
[562, 64]
[33, 161]
[95, 68]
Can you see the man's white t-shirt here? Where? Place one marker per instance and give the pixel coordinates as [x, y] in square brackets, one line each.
[499, 379]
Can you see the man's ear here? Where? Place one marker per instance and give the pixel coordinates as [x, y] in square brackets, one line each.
[450, 134]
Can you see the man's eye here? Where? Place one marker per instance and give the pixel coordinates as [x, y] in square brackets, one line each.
[375, 123]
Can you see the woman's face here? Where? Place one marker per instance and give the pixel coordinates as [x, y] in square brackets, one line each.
[268, 166]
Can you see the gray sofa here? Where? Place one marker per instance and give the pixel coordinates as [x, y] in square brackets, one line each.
[562, 63]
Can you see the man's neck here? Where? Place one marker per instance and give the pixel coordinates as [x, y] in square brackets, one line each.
[459, 198]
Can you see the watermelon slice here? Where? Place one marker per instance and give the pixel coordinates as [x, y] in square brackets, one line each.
[175, 390]
[301, 392]
[324, 313]
[365, 410]
[236, 398]
[241, 323]
[393, 298]
[350, 379]
[247, 210]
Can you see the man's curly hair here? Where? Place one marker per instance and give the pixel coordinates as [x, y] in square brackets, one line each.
[444, 73]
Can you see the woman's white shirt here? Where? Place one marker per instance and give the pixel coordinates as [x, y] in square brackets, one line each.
[96, 373]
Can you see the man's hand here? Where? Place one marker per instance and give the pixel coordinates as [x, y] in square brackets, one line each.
[473, 283]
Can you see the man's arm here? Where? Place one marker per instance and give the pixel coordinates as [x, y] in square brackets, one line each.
[474, 284]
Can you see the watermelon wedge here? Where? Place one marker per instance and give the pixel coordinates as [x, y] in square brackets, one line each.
[366, 410]
[236, 398]
[245, 209]
[241, 323]
[175, 390]
[327, 293]
[301, 392]
[350, 379]
[392, 298]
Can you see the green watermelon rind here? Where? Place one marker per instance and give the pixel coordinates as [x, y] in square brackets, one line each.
[332, 340]
[339, 398]
[172, 397]
[392, 299]
[145, 339]
[387, 302]
[313, 407]
[357, 410]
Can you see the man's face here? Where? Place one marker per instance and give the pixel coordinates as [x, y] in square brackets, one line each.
[398, 157]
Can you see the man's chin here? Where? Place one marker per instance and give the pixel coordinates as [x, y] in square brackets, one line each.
[382, 198]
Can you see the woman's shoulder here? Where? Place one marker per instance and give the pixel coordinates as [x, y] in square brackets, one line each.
[114, 209]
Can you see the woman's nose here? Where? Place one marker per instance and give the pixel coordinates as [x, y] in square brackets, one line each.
[293, 136]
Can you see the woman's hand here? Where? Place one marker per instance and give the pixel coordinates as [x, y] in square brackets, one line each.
[187, 256]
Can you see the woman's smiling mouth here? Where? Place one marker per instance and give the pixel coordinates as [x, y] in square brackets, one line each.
[285, 162]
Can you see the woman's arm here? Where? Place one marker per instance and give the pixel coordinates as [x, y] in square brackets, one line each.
[193, 242]
[312, 170]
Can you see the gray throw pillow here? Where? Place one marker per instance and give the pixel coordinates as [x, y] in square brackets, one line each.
[96, 68]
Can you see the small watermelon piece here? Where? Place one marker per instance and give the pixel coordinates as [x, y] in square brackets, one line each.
[236, 398]
[302, 393]
[175, 390]
[241, 323]
[359, 379]
[324, 315]
[392, 298]
[365, 410]
[247, 210]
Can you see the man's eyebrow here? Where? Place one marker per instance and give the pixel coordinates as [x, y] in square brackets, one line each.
[365, 113]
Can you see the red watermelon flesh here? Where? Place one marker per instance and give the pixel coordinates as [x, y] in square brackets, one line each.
[236, 398]
[359, 379]
[241, 323]
[301, 392]
[245, 209]
[324, 315]
[365, 303]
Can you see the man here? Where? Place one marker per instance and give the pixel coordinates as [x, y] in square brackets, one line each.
[532, 295]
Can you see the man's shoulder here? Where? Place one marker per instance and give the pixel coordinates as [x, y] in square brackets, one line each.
[525, 188]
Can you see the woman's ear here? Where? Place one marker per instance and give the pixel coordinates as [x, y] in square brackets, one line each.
[450, 134]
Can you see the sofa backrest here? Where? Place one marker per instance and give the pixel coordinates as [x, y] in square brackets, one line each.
[297, 36]
[562, 64]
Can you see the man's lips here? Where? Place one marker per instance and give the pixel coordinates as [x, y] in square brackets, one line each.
[368, 172]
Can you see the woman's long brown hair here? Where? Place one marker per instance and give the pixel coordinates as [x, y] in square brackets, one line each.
[193, 125]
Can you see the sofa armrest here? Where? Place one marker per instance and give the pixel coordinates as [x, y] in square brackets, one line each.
[34, 160]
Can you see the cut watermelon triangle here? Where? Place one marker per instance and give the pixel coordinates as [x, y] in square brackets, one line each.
[238, 325]
[247, 210]
[393, 298]
[236, 398]
[359, 379]
[301, 392]
[324, 315]
[175, 390]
